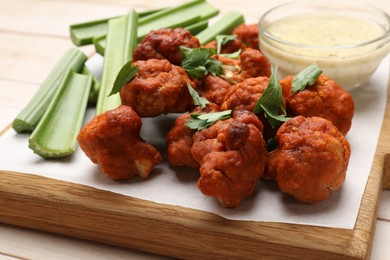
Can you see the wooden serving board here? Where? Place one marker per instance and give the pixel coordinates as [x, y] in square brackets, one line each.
[84, 212]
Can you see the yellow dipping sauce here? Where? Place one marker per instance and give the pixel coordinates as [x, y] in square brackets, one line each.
[336, 43]
[325, 30]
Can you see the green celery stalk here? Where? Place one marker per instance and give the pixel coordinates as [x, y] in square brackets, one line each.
[173, 21]
[200, 7]
[177, 16]
[192, 14]
[28, 118]
[225, 25]
[84, 33]
[100, 42]
[148, 12]
[93, 95]
[56, 134]
[121, 40]
[197, 27]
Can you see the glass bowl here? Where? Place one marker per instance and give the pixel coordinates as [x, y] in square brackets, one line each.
[346, 39]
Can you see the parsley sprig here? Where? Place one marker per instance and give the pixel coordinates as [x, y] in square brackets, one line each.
[202, 121]
[224, 39]
[305, 78]
[271, 102]
[198, 62]
[198, 100]
[126, 73]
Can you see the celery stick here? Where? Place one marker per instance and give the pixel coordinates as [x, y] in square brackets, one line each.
[149, 12]
[184, 15]
[225, 25]
[29, 117]
[200, 7]
[93, 95]
[84, 33]
[171, 17]
[121, 40]
[197, 27]
[173, 21]
[100, 44]
[56, 134]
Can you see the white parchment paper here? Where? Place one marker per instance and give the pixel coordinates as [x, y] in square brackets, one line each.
[178, 186]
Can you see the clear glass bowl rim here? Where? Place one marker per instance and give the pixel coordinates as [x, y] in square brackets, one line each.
[263, 30]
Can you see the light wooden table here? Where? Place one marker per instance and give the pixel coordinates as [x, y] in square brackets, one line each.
[33, 36]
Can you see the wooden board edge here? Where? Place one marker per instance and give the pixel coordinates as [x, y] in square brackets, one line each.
[379, 180]
[168, 230]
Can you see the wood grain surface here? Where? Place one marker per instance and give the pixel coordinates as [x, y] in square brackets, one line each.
[79, 211]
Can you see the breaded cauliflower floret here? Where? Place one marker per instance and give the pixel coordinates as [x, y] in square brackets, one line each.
[232, 155]
[112, 141]
[245, 95]
[311, 160]
[325, 99]
[254, 64]
[251, 64]
[248, 34]
[179, 139]
[214, 89]
[158, 88]
[164, 44]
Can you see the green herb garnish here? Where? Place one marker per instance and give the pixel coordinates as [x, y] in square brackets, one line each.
[272, 144]
[198, 100]
[271, 101]
[198, 62]
[214, 67]
[224, 39]
[305, 78]
[202, 121]
[126, 73]
[233, 55]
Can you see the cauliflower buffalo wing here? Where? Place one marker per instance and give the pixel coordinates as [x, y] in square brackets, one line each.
[311, 159]
[164, 44]
[232, 157]
[214, 89]
[248, 34]
[252, 63]
[179, 139]
[325, 99]
[245, 94]
[112, 141]
[158, 88]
